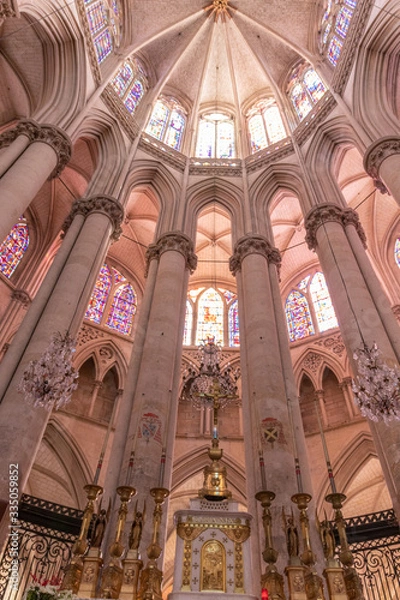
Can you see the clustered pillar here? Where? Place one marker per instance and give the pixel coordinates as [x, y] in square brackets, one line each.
[363, 313]
[59, 307]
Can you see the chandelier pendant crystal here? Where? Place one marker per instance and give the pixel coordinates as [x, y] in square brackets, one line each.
[50, 380]
[377, 386]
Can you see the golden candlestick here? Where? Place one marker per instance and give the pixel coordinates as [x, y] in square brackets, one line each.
[271, 580]
[313, 581]
[112, 575]
[73, 572]
[151, 576]
[159, 494]
[126, 493]
[351, 577]
[265, 497]
[302, 500]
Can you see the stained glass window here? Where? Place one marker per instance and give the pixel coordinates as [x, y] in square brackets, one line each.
[187, 336]
[99, 295]
[258, 135]
[225, 139]
[305, 89]
[343, 21]
[130, 84]
[103, 45]
[122, 79]
[301, 101]
[167, 122]
[265, 125]
[314, 85]
[215, 136]
[233, 322]
[123, 309]
[322, 302]
[113, 299]
[273, 121]
[14, 247]
[335, 25]
[134, 96]
[104, 26]
[210, 317]
[397, 252]
[298, 316]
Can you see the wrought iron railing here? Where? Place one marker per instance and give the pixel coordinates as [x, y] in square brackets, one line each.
[47, 532]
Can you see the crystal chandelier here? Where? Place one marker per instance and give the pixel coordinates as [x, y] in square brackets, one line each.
[50, 380]
[377, 386]
[199, 383]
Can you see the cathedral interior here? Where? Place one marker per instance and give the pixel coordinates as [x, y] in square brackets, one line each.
[186, 178]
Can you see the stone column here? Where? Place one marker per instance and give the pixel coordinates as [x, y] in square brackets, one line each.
[20, 300]
[25, 166]
[266, 420]
[382, 163]
[358, 313]
[21, 425]
[159, 364]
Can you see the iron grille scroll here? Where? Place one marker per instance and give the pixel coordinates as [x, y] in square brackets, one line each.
[47, 532]
[374, 540]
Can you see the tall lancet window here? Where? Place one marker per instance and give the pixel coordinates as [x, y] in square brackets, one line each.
[233, 324]
[167, 122]
[397, 252]
[323, 307]
[210, 317]
[265, 125]
[123, 309]
[99, 296]
[14, 247]
[130, 83]
[334, 28]
[104, 19]
[216, 136]
[113, 301]
[187, 336]
[298, 316]
[305, 89]
[309, 308]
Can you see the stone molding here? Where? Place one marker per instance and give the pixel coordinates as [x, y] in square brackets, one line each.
[22, 297]
[105, 205]
[46, 134]
[376, 153]
[325, 213]
[253, 244]
[177, 242]
[6, 10]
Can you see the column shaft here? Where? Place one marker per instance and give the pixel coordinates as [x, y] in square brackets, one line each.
[64, 310]
[358, 315]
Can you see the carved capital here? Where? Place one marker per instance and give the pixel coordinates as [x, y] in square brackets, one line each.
[46, 134]
[324, 213]
[350, 217]
[98, 204]
[176, 241]
[253, 244]
[22, 297]
[376, 153]
[6, 10]
[396, 311]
